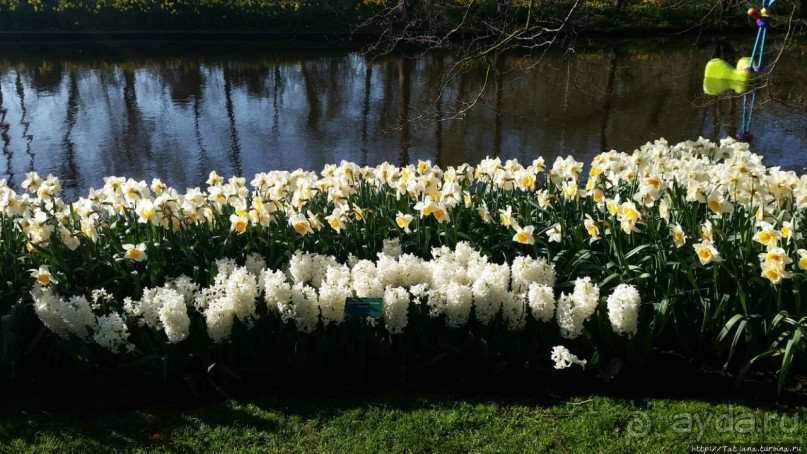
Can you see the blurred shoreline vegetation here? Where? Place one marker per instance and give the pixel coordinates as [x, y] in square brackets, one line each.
[374, 17]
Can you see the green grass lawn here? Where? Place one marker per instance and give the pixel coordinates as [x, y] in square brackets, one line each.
[402, 422]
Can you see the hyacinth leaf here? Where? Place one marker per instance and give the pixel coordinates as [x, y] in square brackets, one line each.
[595, 358]
[737, 336]
[224, 368]
[726, 330]
[191, 383]
[452, 348]
[662, 311]
[779, 318]
[501, 366]
[780, 339]
[141, 361]
[747, 367]
[787, 359]
[7, 333]
[484, 348]
[436, 359]
[610, 278]
[612, 369]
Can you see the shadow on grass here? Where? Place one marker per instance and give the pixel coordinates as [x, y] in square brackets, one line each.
[449, 408]
[67, 388]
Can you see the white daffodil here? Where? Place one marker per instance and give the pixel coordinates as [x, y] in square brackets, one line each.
[43, 276]
[135, 252]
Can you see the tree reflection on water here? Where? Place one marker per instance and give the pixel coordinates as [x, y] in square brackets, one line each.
[176, 111]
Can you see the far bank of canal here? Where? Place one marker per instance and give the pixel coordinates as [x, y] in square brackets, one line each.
[176, 110]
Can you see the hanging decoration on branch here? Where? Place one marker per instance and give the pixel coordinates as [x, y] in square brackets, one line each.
[720, 76]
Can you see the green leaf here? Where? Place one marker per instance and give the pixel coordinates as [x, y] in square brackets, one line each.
[737, 335]
[141, 361]
[610, 278]
[728, 326]
[787, 359]
[7, 333]
[613, 368]
[636, 250]
[224, 368]
[745, 369]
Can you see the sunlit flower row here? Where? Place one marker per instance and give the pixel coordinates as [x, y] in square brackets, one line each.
[311, 292]
[625, 190]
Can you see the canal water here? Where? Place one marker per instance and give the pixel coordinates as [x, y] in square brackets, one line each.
[177, 110]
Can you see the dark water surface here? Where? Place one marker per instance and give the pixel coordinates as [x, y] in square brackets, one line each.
[177, 110]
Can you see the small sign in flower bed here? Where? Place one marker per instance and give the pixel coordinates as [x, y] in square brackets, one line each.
[695, 248]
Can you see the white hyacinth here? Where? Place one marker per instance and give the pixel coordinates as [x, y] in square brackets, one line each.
[185, 286]
[489, 291]
[225, 267]
[541, 301]
[112, 333]
[174, 317]
[78, 315]
[570, 324]
[458, 303]
[232, 295]
[366, 281]
[309, 268]
[255, 264]
[586, 296]
[219, 320]
[242, 290]
[305, 307]
[514, 310]
[46, 306]
[395, 308]
[563, 358]
[332, 298]
[276, 291]
[623, 309]
[301, 268]
[526, 270]
[392, 248]
[573, 310]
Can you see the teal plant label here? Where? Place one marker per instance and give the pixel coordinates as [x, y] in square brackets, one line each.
[363, 307]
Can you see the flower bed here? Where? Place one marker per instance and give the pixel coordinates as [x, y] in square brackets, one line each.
[695, 247]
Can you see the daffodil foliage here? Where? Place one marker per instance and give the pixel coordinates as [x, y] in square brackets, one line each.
[695, 247]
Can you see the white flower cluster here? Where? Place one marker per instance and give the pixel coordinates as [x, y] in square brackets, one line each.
[720, 176]
[233, 295]
[112, 333]
[563, 358]
[542, 301]
[51, 309]
[623, 309]
[75, 316]
[164, 308]
[578, 307]
[455, 284]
